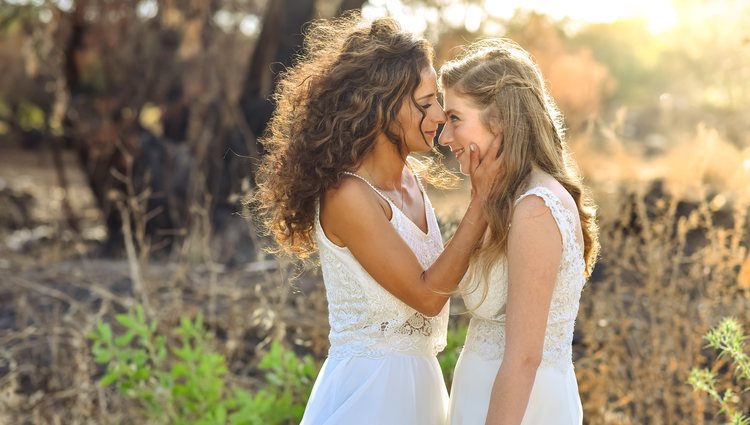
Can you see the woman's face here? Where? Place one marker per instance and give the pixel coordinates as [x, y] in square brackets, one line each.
[464, 127]
[409, 116]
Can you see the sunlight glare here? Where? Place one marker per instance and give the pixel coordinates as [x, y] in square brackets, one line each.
[413, 19]
[659, 14]
[454, 14]
[474, 18]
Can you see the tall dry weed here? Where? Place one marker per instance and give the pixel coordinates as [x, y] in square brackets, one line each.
[675, 236]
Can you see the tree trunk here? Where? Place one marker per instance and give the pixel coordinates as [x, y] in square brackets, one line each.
[279, 41]
[184, 167]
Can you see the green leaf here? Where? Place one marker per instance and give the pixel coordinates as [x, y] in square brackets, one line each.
[126, 320]
[142, 374]
[185, 353]
[101, 355]
[109, 379]
[124, 339]
[179, 370]
[221, 415]
[105, 331]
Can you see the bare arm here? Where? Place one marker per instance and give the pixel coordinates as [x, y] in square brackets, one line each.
[356, 218]
[534, 256]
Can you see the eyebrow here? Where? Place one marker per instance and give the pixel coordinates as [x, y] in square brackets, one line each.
[426, 96]
[450, 111]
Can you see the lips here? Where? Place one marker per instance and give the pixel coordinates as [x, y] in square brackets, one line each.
[458, 152]
[430, 134]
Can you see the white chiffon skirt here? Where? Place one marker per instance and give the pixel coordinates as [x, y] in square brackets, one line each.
[393, 390]
[554, 398]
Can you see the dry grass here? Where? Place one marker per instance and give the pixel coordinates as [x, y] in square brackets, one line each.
[669, 271]
[675, 235]
[675, 239]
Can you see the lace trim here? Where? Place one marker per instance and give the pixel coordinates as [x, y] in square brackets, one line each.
[368, 321]
[565, 218]
[416, 324]
[486, 338]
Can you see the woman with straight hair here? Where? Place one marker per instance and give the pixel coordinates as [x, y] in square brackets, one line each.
[524, 284]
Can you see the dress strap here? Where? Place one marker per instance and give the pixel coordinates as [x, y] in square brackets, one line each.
[565, 218]
[383, 195]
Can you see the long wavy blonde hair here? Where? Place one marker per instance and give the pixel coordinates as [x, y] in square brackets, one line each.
[501, 79]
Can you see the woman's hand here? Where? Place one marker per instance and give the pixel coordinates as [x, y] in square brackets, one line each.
[487, 169]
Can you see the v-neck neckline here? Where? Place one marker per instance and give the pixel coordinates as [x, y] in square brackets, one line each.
[415, 225]
[394, 208]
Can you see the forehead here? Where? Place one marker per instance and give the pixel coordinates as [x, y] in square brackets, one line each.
[455, 101]
[429, 79]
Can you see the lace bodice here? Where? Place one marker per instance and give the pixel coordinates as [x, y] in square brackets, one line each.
[486, 333]
[367, 320]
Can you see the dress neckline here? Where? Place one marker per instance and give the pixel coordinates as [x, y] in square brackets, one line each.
[395, 208]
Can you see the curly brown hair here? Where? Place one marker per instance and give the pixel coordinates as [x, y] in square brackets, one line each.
[344, 91]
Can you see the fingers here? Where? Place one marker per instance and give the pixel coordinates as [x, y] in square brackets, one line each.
[473, 158]
[496, 145]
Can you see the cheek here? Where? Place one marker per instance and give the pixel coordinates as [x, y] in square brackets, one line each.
[481, 137]
[461, 135]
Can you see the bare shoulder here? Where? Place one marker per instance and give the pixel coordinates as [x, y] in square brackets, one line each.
[351, 198]
[545, 180]
[349, 191]
[530, 208]
[351, 195]
[533, 225]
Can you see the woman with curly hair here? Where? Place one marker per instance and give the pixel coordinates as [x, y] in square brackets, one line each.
[524, 283]
[338, 180]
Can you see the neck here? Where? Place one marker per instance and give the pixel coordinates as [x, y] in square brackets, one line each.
[384, 165]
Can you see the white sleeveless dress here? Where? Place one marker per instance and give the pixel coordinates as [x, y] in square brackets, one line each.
[381, 366]
[554, 398]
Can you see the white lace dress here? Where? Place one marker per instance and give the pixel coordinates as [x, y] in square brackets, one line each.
[554, 397]
[381, 366]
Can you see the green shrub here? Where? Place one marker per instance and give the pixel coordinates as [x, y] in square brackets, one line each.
[290, 381]
[729, 339]
[186, 384]
[449, 356]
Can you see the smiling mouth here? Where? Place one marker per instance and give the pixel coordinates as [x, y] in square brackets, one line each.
[458, 152]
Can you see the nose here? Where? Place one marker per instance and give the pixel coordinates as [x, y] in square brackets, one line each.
[441, 117]
[437, 115]
[446, 136]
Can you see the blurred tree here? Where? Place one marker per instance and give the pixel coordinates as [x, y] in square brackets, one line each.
[577, 80]
[630, 53]
[169, 94]
[173, 94]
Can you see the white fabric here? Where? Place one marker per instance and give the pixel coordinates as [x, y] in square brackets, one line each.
[381, 366]
[554, 398]
[397, 389]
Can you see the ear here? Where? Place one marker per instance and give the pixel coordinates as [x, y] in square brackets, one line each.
[492, 121]
[496, 127]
